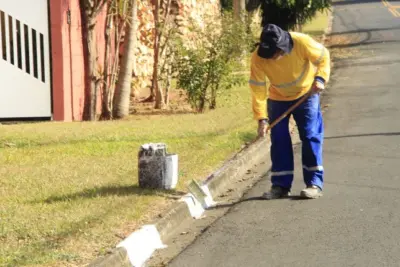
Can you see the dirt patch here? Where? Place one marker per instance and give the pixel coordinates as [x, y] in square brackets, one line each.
[339, 44]
[178, 104]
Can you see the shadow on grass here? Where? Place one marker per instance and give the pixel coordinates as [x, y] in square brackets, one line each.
[48, 248]
[106, 191]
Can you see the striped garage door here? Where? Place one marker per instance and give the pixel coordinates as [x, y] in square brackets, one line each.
[25, 85]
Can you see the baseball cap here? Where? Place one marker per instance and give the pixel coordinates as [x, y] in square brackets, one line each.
[273, 38]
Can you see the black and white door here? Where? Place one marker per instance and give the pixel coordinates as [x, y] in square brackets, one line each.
[25, 85]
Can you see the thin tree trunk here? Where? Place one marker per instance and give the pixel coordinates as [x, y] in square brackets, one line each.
[159, 95]
[119, 30]
[152, 95]
[123, 92]
[239, 7]
[213, 102]
[89, 11]
[158, 34]
[164, 35]
[202, 102]
[114, 68]
[106, 108]
[203, 94]
[167, 87]
[92, 69]
[90, 57]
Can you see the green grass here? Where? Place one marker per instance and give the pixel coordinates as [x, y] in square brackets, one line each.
[317, 26]
[67, 190]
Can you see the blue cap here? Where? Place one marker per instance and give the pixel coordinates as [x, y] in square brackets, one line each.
[273, 38]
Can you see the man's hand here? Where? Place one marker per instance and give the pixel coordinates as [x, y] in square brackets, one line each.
[318, 85]
[262, 127]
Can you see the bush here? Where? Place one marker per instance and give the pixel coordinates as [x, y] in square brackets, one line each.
[205, 68]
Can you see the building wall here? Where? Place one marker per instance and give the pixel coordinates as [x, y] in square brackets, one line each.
[68, 60]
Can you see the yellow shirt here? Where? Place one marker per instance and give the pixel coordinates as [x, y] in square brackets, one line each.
[289, 77]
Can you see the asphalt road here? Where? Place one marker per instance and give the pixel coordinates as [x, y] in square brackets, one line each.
[357, 221]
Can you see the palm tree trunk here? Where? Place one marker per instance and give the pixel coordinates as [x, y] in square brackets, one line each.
[123, 89]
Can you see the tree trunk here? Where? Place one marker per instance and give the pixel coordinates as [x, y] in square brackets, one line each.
[239, 7]
[115, 68]
[90, 57]
[213, 102]
[89, 11]
[156, 88]
[203, 96]
[152, 95]
[106, 108]
[203, 93]
[167, 86]
[202, 102]
[123, 89]
[299, 27]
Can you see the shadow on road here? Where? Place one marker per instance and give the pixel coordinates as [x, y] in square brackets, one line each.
[229, 205]
[364, 31]
[364, 36]
[364, 42]
[353, 2]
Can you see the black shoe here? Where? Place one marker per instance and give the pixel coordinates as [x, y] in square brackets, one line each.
[276, 192]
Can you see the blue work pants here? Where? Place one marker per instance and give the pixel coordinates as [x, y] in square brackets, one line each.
[308, 118]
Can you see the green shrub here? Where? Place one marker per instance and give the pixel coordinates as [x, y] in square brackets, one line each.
[206, 68]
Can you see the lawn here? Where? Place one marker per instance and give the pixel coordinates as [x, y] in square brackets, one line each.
[69, 191]
[317, 26]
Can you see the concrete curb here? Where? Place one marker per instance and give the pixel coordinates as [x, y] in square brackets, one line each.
[238, 166]
[117, 257]
[179, 213]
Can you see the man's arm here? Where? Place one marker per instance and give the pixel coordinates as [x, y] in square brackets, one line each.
[258, 86]
[319, 55]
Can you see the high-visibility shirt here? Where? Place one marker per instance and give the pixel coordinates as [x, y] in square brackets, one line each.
[291, 76]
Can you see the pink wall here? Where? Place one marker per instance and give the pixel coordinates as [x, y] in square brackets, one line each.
[67, 59]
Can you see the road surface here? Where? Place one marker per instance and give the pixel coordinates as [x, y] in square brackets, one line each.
[357, 221]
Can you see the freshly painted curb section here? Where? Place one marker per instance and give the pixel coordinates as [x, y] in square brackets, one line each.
[146, 240]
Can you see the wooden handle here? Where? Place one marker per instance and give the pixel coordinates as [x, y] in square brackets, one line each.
[287, 112]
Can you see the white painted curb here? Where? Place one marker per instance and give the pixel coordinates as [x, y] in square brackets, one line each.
[141, 244]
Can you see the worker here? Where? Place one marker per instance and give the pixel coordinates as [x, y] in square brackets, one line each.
[292, 64]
